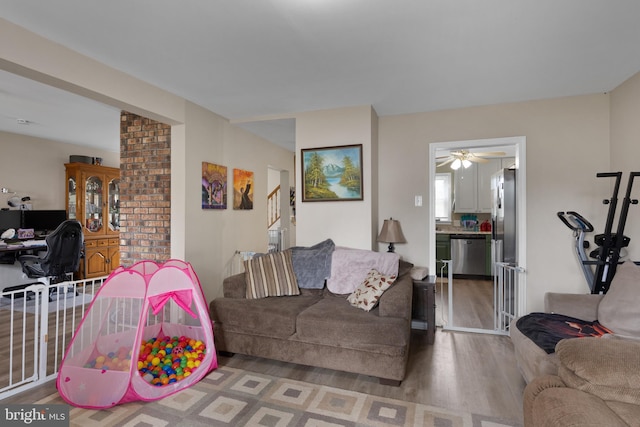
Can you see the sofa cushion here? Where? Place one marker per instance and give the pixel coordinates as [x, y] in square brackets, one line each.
[270, 275]
[607, 368]
[333, 321]
[273, 317]
[367, 295]
[349, 267]
[619, 309]
[312, 265]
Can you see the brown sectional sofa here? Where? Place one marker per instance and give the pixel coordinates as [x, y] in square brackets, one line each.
[319, 328]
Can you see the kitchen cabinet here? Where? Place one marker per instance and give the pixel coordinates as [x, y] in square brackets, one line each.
[93, 198]
[443, 251]
[472, 187]
[508, 162]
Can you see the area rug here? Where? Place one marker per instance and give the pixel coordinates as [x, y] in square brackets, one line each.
[233, 397]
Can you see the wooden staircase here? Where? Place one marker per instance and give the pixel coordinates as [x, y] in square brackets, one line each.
[273, 207]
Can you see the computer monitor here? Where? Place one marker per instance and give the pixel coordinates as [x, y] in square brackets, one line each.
[10, 219]
[43, 221]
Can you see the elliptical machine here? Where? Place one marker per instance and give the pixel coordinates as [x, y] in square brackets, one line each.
[609, 245]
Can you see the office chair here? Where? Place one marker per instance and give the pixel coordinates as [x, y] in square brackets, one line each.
[62, 257]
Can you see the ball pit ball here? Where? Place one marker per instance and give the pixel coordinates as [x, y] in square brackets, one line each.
[115, 361]
[166, 360]
[161, 361]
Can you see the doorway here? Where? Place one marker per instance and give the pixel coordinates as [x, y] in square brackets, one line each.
[280, 211]
[464, 315]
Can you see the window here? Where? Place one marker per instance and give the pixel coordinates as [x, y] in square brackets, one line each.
[443, 197]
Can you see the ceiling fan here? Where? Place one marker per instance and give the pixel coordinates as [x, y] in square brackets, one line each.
[465, 157]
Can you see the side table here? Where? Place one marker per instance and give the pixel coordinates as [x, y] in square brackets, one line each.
[424, 305]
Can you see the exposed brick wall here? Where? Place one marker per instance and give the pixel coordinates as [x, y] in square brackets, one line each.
[145, 189]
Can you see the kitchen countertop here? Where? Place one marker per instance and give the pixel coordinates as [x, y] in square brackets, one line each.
[459, 231]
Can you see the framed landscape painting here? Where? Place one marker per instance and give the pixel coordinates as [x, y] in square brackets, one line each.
[332, 173]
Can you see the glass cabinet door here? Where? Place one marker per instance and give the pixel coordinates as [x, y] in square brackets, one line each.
[114, 204]
[72, 198]
[93, 204]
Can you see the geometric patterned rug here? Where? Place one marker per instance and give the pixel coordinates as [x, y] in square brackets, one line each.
[233, 397]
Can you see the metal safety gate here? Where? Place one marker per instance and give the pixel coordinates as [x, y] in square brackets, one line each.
[507, 293]
[508, 298]
[36, 324]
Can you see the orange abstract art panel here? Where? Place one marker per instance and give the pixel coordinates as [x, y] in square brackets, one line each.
[242, 189]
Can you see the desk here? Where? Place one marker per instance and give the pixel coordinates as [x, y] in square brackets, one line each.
[9, 251]
[22, 245]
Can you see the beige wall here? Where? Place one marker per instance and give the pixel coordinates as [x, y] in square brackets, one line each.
[35, 167]
[213, 236]
[567, 144]
[625, 150]
[347, 223]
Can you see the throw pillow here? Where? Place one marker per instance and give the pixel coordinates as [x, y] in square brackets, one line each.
[270, 275]
[367, 295]
[619, 309]
[312, 265]
[349, 267]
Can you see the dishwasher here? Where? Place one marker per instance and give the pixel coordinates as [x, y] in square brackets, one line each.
[468, 254]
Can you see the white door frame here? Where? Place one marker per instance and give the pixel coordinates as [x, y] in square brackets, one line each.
[519, 142]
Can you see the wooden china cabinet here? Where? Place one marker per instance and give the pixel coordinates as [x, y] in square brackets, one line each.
[93, 198]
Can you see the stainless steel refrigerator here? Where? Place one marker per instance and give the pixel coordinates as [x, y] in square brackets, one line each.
[503, 217]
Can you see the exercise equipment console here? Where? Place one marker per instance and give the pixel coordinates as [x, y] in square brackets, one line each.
[609, 244]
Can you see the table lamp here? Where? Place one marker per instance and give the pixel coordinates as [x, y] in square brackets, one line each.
[391, 233]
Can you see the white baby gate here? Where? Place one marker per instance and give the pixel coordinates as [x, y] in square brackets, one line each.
[508, 298]
[507, 294]
[37, 323]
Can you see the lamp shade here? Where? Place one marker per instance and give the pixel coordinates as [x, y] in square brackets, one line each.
[391, 232]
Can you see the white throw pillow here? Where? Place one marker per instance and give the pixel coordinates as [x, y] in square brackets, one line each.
[367, 295]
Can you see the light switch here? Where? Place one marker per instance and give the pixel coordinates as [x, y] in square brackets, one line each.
[418, 200]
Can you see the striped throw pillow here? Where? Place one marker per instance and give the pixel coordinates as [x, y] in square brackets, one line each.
[270, 275]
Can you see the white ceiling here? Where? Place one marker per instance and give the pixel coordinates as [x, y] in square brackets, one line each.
[247, 59]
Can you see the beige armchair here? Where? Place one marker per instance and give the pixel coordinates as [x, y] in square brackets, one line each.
[598, 384]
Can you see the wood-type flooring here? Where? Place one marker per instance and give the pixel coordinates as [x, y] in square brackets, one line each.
[460, 371]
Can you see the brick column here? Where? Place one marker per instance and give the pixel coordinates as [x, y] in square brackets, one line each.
[145, 189]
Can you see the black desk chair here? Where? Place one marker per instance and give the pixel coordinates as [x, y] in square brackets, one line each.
[64, 250]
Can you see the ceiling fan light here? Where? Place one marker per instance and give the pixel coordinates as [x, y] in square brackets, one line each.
[456, 164]
[466, 163]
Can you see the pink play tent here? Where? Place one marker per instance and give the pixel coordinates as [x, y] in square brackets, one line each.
[146, 335]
